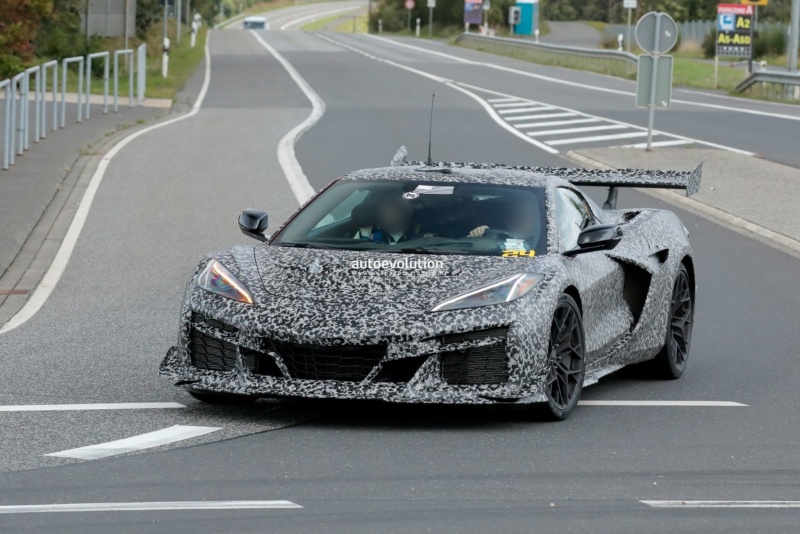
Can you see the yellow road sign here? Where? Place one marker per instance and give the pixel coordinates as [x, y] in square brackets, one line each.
[754, 2]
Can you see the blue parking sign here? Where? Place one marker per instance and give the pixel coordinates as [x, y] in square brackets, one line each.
[726, 22]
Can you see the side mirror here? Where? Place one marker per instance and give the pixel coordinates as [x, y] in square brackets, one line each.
[252, 223]
[597, 237]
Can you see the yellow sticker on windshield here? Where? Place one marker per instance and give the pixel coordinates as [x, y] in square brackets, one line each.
[519, 253]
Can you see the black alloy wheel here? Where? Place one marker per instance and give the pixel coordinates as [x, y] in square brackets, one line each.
[567, 362]
[670, 363]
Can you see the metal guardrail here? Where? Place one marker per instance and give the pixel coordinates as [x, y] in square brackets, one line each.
[594, 59]
[54, 65]
[16, 118]
[774, 84]
[6, 84]
[89, 58]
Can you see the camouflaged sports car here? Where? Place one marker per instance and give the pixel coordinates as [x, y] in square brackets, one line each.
[443, 283]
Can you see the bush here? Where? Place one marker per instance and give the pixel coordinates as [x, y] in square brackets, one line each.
[770, 43]
[709, 45]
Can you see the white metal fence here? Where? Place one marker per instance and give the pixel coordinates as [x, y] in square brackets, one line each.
[17, 95]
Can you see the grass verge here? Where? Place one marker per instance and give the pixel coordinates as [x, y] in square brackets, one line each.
[183, 61]
[347, 25]
[688, 72]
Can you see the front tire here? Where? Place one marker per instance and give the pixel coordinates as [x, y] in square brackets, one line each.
[670, 362]
[567, 360]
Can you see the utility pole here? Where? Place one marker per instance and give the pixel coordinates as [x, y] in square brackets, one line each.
[127, 9]
[87, 25]
[178, 14]
[794, 28]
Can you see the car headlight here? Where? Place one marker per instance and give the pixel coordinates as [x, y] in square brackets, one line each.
[215, 278]
[504, 290]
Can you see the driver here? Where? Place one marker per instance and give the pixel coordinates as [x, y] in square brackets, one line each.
[521, 221]
[393, 223]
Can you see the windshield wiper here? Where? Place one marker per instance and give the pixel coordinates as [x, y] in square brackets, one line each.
[302, 245]
[423, 250]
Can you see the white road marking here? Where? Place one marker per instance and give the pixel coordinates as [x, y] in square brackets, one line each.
[512, 104]
[722, 504]
[317, 15]
[523, 110]
[510, 99]
[499, 120]
[48, 283]
[146, 506]
[597, 138]
[674, 142]
[136, 443]
[611, 121]
[658, 403]
[576, 130]
[555, 123]
[544, 116]
[90, 407]
[486, 106]
[737, 108]
[286, 155]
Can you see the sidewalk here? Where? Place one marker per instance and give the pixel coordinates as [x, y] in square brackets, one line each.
[29, 186]
[94, 98]
[745, 192]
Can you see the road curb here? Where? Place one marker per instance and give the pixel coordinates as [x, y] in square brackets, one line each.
[742, 226]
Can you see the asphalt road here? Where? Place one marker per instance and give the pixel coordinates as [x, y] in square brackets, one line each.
[173, 195]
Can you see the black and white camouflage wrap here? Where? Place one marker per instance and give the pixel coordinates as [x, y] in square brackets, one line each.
[334, 304]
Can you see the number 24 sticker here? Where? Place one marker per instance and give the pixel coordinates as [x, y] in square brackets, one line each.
[519, 253]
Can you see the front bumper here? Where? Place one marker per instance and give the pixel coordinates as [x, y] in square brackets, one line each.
[431, 369]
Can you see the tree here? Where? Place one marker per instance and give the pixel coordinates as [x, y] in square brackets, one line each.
[19, 25]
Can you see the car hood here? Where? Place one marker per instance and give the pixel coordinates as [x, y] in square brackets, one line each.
[417, 281]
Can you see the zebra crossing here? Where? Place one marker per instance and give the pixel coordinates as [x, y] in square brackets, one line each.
[565, 129]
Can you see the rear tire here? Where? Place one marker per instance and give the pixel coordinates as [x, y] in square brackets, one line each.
[213, 397]
[670, 362]
[567, 360]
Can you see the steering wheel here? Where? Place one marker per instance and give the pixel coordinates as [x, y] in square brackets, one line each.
[497, 233]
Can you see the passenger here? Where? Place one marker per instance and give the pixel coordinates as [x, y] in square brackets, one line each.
[521, 221]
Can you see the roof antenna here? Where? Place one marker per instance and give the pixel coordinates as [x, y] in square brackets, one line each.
[430, 133]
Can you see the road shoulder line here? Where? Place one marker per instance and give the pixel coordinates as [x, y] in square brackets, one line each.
[48, 283]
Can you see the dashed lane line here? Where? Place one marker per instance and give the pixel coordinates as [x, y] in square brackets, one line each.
[146, 506]
[722, 504]
[136, 443]
[692, 403]
[90, 407]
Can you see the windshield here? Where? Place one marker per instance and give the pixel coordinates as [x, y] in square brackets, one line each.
[424, 217]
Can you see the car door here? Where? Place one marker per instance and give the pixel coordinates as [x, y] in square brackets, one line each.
[599, 279]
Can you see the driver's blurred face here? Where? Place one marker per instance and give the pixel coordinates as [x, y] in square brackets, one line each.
[522, 219]
[394, 216]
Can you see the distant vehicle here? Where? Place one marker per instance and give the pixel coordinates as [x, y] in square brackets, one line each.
[444, 283]
[255, 23]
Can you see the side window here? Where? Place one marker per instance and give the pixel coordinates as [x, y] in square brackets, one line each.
[572, 216]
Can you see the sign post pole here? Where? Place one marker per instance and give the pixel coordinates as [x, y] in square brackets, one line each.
[410, 4]
[657, 34]
[630, 5]
[630, 12]
[653, 79]
[795, 29]
[431, 6]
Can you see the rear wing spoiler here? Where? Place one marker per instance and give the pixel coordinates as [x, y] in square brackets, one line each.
[612, 178]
